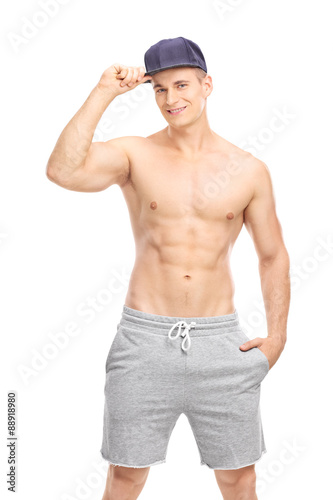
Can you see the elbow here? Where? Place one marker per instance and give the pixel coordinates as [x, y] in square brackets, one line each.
[73, 181]
[52, 176]
[281, 256]
[50, 172]
[55, 174]
[52, 169]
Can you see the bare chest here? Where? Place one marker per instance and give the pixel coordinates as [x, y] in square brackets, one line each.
[217, 187]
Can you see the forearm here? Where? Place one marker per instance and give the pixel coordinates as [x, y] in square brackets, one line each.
[275, 286]
[71, 149]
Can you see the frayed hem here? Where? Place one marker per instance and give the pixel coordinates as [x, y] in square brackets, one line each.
[134, 466]
[234, 468]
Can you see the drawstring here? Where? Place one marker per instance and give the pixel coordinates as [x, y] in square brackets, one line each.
[184, 334]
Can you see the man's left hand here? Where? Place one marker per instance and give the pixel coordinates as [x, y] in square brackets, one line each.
[272, 347]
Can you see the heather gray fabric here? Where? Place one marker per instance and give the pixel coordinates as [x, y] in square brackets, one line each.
[159, 367]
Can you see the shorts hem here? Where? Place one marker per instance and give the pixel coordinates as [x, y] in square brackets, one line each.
[134, 466]
[234, 468]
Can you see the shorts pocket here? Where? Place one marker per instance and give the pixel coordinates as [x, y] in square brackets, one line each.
[264, 357]
[113, 347]
[259, 353]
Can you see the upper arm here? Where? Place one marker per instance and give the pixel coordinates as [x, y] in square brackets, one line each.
[106, 163]
[260, 217]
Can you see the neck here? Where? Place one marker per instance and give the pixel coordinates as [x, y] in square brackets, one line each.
[192, 138]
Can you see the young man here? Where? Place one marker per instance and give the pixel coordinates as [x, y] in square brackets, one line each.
[179, 347]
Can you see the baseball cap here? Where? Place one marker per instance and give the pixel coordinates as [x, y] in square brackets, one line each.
[173, 53]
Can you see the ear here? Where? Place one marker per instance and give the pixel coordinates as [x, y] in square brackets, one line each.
[208, 85]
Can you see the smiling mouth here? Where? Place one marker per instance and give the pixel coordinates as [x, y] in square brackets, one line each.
[175, 111]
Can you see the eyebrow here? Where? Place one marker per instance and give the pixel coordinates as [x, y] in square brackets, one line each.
[174, 83]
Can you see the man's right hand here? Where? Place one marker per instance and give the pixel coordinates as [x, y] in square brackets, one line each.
[118, 79]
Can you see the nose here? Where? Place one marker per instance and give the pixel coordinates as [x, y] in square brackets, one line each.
[172, 97]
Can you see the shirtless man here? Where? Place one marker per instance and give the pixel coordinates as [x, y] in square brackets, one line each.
[179, 347]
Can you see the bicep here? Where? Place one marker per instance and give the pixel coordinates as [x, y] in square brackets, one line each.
[260, 218]
[107, 163]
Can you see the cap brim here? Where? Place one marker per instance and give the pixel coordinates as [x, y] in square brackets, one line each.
[153, 72]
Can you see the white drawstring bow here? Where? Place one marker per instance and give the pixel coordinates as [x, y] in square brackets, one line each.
[182, 324]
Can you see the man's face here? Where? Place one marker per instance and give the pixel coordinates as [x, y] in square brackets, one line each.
[180, 95]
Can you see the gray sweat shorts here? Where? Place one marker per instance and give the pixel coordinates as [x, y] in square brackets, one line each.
[159, 367]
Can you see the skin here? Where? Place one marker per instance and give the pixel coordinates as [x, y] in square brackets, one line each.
[189, 192]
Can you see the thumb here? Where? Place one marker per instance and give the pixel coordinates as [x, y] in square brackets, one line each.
[250, 344]
[145, 78]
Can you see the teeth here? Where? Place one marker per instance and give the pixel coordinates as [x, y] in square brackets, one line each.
[176, 110]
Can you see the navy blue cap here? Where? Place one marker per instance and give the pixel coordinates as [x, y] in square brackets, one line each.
[173, 53]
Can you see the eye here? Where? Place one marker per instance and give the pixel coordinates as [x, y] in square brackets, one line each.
[159, 90]
[182, 85]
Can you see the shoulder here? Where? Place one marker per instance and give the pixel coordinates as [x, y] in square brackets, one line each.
[137, 141]
[131, 144]
[256, 172]
[240, 157]
[257, 169]
[261, 175]
[260, 182]
[128, 140]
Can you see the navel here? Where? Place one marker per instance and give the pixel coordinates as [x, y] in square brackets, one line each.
[153, 205]
[187, 276]
[230, 215]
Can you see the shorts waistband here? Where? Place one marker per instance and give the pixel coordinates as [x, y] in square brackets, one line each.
[198, 325]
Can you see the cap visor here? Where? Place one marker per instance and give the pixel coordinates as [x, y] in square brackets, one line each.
[154, 71]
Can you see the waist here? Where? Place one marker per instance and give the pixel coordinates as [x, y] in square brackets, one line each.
[201, 325]
[175, 291]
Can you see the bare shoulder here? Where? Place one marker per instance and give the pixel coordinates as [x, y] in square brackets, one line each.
[134, 144]
[256, 168]
[261, 175]
[130, 147]
[128, 142]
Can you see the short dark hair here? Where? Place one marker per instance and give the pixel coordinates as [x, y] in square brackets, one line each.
[200, 74]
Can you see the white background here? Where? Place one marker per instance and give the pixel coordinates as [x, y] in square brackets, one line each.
[59, 247]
